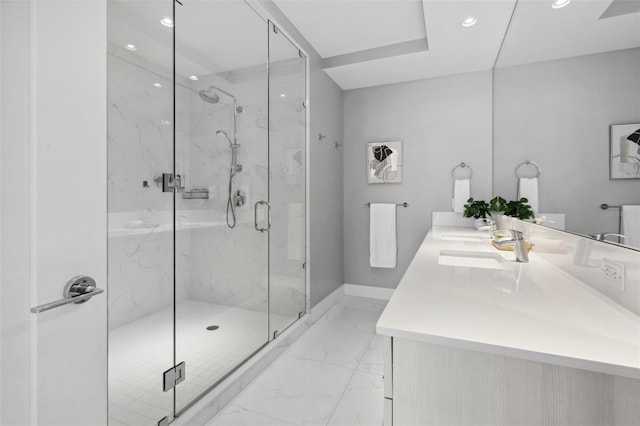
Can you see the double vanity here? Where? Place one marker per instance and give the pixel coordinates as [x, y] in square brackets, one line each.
[474, 337]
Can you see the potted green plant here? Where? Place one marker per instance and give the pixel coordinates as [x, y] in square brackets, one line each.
[498, 205]
[479, 210]
[519, 209]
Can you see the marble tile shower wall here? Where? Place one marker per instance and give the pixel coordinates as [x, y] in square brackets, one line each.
[229, 267]
[140, 148]
[214, 263]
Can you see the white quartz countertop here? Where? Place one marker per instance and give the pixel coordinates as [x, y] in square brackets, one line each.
[531, 311]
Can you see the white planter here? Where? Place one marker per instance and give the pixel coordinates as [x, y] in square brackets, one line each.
[501, 220]
[481, 223]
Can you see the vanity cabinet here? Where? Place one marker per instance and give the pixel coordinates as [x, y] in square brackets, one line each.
[508, 343]
[429, 384]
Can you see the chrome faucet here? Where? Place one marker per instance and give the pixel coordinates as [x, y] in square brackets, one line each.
[518, 244]
[603, 236]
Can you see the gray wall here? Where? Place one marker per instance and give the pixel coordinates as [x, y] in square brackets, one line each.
[442, 121]
[327, 271]
[325, 168]
[557, 114]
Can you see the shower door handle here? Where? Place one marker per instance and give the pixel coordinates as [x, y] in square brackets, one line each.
[255, 216]
[268, 215]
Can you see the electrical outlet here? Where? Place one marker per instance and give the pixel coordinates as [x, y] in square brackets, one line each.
[613, 273]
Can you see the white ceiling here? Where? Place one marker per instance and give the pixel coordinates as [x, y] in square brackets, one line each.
[453, 49]
[371, 42]
[540, 33]
[537, 33]
[337, 27]
[212, 37]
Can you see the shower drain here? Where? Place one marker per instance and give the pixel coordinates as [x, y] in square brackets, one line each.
[213, 327]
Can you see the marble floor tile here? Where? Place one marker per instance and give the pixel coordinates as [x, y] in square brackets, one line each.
[332, 344]
[301, 392]
[376, 305]
[371, 361]
[361, 404]
[331, 375]
[359, 319]
[233, 415]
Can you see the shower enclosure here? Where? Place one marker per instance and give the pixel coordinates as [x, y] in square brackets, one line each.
[206, 162]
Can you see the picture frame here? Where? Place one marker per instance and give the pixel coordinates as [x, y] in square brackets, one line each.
[624, 154]
[384, 161]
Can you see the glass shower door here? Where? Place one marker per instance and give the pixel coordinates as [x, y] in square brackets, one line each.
[221, 151]
[287, 154]
[140, 212]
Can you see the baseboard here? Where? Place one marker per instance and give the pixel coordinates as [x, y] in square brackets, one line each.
[325, 304]
[368, 291]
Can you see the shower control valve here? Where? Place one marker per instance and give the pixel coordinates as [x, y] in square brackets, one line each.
[239, 198]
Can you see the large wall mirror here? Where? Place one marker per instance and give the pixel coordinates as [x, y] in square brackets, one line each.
[566, 79]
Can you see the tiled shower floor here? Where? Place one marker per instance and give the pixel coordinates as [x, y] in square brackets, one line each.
[141, 351]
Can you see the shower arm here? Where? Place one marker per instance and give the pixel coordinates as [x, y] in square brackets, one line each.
[235, 106]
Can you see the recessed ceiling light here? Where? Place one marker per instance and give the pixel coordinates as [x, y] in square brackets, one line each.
[167, 22]
[157, 85]
[194, 78]
[559, 4]
[131, 47]
[469, 22]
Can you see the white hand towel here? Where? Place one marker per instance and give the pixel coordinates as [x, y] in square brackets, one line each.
[461, 193]
[383, 246]
[528, 188]
[631, 225]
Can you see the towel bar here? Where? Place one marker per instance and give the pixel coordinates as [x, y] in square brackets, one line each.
[401, 204]
[605, 206]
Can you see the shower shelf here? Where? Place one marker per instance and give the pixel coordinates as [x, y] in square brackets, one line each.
[196, 194]
[124, 224]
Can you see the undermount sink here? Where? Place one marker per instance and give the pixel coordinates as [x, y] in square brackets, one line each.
[471, 259]
[468, 238]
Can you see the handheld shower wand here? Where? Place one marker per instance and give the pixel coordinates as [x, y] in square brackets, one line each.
[235, 168]
[223, 133]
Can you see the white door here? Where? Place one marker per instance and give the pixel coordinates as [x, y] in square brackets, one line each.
[53, 210]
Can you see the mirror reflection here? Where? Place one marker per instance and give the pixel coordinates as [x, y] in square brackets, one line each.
[566, 107]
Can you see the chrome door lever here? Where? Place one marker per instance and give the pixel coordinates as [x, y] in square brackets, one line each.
[78, 289]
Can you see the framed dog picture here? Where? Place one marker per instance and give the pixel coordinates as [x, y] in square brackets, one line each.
[384, 162]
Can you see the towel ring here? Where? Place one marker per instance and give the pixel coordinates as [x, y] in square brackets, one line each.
[462, 166]
[528, 163]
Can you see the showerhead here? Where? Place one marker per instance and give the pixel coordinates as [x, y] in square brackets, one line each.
[209, 96]
[223, 133]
